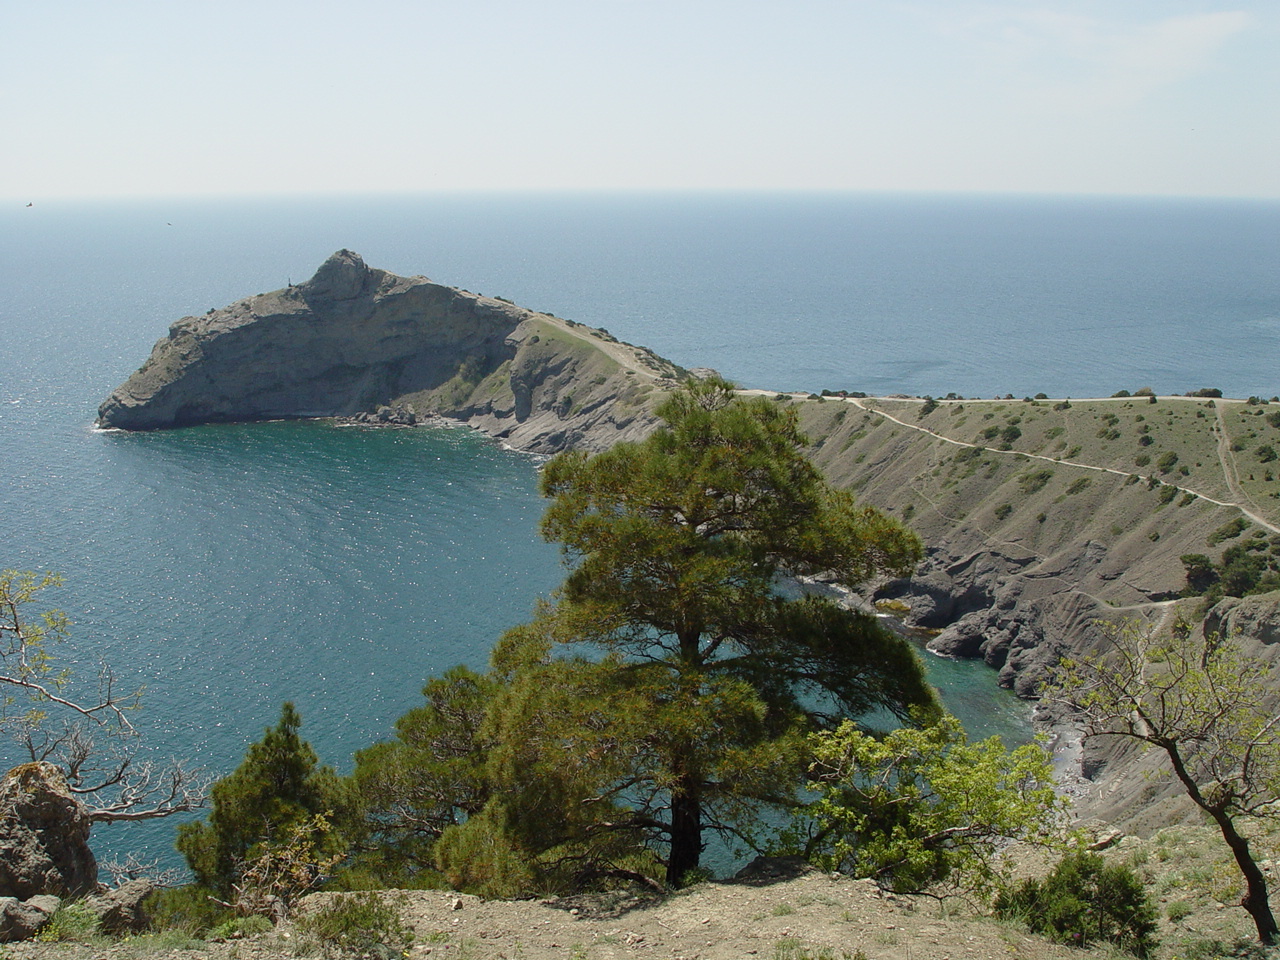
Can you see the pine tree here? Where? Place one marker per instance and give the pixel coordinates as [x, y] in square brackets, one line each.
[679, 549]
[277, 786]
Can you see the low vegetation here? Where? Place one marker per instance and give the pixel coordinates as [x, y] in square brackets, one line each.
[1085, 900]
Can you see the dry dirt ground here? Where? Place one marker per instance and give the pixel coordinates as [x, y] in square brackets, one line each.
[810, 916]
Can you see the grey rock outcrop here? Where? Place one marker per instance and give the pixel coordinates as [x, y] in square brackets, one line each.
[22, 920]
[44, 836]
[361, 343]
[1257, 618]
[120, 910]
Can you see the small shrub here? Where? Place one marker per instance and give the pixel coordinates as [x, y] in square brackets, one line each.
[356, 924]
[1085, 900]
[1031, 482]
[1003, 510]
[241, 927]
[189, 908]
[1228, 531]
[1166, 461]
[1078, 485]
[73, 921]
[1177, 911]
[1265, 453]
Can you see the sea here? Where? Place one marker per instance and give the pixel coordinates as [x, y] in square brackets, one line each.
[229, 568]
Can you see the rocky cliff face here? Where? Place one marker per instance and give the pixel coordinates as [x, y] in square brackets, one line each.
[354, 340]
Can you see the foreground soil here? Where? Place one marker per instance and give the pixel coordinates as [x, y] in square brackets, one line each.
[784, 912]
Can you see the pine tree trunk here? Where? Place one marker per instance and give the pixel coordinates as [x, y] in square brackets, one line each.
[686, 836]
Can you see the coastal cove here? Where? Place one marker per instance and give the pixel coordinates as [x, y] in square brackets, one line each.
[230, 567]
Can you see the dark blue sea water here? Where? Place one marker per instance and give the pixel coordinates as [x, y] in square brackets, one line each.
[229, 568]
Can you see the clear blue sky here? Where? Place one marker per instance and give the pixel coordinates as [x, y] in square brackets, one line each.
[203, 97]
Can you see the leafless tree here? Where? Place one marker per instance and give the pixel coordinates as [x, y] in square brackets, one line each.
[1201, 701]
[90, 738]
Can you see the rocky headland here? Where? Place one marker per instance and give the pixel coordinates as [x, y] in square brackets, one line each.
[1043, 518]
[362, 343]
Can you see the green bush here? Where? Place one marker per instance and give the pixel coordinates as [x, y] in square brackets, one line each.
[1031, 482]
[356, 924]
[240, 927]
[71, 922]
[1083, 901]
[1229, 530]
[188, 908]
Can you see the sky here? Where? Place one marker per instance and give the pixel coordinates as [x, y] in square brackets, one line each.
[231, 97]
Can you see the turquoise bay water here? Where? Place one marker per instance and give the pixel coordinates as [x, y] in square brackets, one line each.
[229, 568]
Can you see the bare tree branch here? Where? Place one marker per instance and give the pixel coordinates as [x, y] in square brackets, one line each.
[91, 739]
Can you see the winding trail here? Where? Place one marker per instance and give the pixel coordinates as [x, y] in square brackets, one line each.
[1225, 456]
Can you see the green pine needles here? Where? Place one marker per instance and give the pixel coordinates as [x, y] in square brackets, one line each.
[670, 688]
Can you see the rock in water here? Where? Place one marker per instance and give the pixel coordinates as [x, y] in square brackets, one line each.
[353, 342]
[44, 836]
[347, 340]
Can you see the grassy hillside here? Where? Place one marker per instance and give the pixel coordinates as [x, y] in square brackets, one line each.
[1107, 494]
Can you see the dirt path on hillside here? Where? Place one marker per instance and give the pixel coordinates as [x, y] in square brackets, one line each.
[1231, 473]
[1241, 502]
[624, 354]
